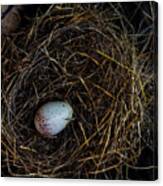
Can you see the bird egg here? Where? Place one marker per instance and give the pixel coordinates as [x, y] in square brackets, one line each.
[52, 117]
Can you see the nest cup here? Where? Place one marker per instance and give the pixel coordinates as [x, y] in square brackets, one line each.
[83, 54]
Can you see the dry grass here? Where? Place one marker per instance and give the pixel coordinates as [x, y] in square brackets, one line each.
[93, 57]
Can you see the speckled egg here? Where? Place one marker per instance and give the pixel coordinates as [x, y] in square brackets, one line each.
[52, 117]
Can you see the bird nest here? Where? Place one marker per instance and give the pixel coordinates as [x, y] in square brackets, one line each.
[91, 56]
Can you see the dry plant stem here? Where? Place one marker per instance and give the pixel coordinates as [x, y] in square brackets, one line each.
[10, 18]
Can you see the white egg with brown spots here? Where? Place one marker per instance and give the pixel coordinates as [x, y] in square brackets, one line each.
[52, 117]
